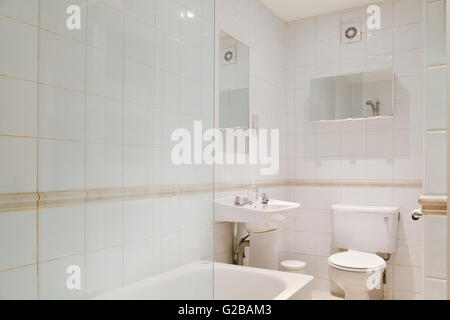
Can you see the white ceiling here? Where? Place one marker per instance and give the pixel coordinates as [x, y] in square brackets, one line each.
[291, 10]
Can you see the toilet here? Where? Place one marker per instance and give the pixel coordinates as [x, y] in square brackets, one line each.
[361, 232]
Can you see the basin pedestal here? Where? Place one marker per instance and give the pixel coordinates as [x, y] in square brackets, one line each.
[262, 221]
[264, 250]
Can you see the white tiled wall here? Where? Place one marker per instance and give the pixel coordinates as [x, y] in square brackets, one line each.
[18, 239]
[94, 109]
[435, 259]
[381, 149]
[389, 149]
[18, 164]
[250, 22]
[17, 98]
[19, 283]
[436, 98]
[369, 149]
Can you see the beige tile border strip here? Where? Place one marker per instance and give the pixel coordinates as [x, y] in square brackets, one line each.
[223, 187]
[18, 201]
[58, 199]
[434, 204]
[356, 183]
[33, 200]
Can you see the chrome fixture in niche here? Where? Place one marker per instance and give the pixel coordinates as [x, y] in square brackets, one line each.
[375, 107]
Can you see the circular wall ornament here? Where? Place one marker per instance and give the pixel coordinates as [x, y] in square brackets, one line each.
[351, 33]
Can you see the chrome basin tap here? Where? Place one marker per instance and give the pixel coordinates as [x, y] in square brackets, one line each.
[265, 198]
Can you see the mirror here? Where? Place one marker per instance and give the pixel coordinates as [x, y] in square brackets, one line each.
[234, 83]
[353, 96]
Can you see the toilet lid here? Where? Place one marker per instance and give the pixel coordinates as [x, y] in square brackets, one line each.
[357, 260]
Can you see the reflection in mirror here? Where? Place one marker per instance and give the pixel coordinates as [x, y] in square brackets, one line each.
[234, 83]
[352, 96]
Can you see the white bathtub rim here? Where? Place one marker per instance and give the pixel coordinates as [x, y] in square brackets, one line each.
[293, 283]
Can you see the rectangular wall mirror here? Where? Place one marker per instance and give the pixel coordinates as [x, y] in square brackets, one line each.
[353, 96]
[234, 83]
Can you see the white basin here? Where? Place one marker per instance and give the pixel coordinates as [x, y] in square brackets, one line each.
[259, 217]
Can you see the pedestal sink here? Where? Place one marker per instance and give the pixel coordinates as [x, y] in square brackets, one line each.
[257, 217]
[262, 222]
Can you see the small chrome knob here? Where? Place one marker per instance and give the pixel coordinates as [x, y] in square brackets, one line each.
[417, 214]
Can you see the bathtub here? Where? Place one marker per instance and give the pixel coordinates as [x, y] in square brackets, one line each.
[198, 281]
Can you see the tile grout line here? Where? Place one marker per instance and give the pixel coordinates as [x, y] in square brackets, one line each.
[84, 279]
[214, 165]
[124, 21]
[37, 146]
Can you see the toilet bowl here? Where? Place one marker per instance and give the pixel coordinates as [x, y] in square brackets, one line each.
[363, 231]
[357, 273]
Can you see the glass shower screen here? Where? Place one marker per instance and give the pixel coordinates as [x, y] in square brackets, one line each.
[91, 204]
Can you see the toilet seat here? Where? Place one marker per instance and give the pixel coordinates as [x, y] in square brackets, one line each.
[356, 261]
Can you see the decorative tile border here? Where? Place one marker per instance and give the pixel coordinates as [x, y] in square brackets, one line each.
[356, 183]
[18, 202]
[434, 204]
[52, 199]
